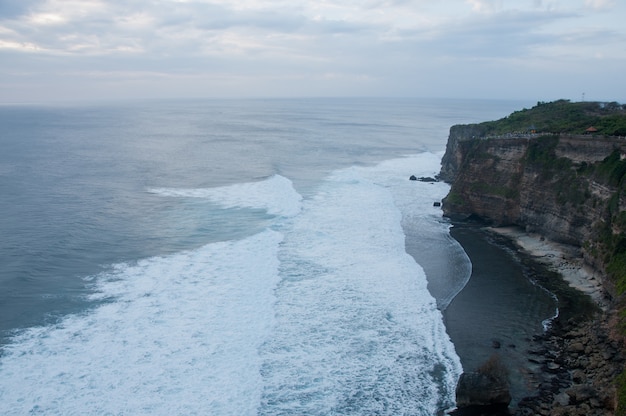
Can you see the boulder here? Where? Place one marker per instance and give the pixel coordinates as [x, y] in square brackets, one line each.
[488, 386]
[479, 389]
[581, 393]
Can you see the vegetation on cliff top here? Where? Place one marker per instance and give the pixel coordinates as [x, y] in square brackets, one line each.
[562, 116]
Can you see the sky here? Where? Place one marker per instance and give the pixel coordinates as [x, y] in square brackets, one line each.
[57, 50]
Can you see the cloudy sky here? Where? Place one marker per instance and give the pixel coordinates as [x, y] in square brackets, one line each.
[118, 49]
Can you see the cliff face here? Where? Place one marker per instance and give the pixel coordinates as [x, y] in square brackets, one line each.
[565, 187]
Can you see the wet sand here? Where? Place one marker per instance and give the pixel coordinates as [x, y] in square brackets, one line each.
[517, 281]
[500, 309]
[565, 260]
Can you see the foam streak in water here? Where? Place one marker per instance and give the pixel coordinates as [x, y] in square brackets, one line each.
[322, 313]
[179, 335]
[357, 331]
[275, 194]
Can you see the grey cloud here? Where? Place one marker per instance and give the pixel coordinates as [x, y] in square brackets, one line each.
[170, 19]
[504, 34]
[10, 9]
[194, 42]
[214, 17]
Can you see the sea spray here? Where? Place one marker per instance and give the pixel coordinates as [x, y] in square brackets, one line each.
[176, 335]
[323, 312]
[176, 276]
[357, 330]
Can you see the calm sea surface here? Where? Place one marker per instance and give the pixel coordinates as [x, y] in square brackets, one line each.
[231, 257]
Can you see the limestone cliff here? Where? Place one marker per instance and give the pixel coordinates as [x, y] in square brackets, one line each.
[570, 188]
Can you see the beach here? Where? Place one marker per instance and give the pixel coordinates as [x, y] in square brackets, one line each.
[565, 364]
[499, 311]
[565, 260]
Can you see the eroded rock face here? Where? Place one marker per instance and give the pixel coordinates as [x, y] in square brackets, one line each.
[487, 182]
[541, 183]
[570, 189]
[454, 155]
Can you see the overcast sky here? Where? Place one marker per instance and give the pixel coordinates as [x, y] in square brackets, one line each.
[118, 49]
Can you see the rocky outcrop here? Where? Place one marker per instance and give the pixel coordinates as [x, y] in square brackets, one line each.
[567, 188]
[478, 389]
[578, 367]
[484, 391]
[453, 158]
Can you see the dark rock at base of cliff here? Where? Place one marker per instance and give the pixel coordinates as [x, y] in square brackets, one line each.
[580, 363]
[460, 219]
[477, 389]
[494, 410]
[422, 179]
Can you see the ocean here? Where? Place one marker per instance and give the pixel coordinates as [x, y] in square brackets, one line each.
[228, 257]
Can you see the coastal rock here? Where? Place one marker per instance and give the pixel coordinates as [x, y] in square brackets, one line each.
[584, 385]
[486, 387]
[422, 178]
[576, 348]
[478, 389]
[562, 399]
[580, 393]
[547, 184]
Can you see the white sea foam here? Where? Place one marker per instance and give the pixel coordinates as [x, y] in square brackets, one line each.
[357, 331]
[415, 200]
[322, 313]
[275, 194]
[178, 336]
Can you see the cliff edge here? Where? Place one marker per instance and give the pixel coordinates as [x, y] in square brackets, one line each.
[557, 170]
[568, 186]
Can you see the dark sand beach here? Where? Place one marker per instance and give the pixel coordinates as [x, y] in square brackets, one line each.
[500, 309]
[517, 282]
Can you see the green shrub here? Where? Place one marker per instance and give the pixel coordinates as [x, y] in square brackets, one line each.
[561, 116]
[453, 198]
[612, 169]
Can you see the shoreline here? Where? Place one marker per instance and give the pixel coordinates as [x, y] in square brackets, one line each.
[499, 311]
[571, 366]
[563, 259]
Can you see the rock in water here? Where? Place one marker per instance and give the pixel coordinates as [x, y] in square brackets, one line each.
[487, 386]
[479, 389]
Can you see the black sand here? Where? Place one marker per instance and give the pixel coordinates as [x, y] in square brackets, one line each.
[499, 310]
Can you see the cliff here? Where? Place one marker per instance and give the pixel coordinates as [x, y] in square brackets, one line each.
[558, 170]
[567, 187]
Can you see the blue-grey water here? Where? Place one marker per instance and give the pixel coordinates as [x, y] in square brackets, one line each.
[228, 257]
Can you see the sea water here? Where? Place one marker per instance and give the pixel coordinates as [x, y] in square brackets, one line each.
[228, 257]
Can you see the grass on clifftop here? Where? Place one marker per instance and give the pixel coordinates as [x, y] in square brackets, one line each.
[562, 116]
